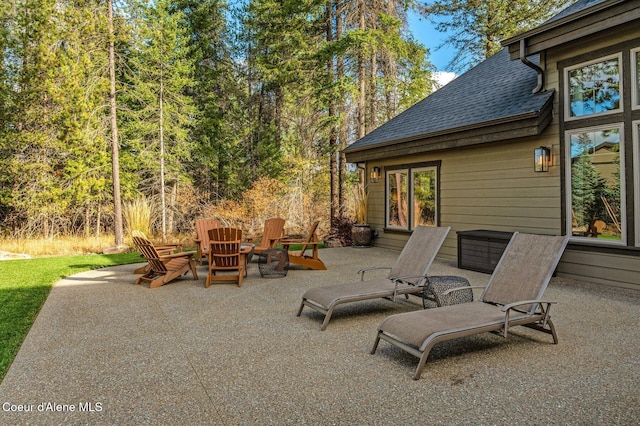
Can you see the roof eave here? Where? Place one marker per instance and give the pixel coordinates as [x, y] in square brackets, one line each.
[559, 22]
[571, 27]
[449, 131]
[512, 127]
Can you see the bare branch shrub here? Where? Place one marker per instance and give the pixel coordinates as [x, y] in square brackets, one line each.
[269, 198]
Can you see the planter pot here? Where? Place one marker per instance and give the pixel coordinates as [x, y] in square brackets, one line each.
[361, 235]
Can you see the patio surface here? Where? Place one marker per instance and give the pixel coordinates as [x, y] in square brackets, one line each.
[117, 353]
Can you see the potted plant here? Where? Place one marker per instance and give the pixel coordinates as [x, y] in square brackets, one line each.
[361, 232]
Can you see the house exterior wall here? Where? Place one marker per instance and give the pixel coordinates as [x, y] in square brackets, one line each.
[489, 187]
[583, 261]
[494, 186]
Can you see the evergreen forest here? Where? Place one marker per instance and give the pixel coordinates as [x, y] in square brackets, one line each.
[202, 108]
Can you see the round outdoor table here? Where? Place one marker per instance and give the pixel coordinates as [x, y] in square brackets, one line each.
[247, 250]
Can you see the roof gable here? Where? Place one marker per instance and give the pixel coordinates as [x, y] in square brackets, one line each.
[496, 90]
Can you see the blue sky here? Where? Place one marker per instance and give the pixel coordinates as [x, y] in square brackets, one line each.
[425, 33]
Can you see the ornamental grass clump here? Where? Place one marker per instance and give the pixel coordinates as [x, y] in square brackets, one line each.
[138, 215]
[360, 199]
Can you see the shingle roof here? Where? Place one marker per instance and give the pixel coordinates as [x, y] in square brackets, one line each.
[576, 7]
[496, 89]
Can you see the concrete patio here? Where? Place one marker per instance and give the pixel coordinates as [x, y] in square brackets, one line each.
[104, 351]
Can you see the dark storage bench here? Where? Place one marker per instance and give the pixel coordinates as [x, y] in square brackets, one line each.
[480, 250]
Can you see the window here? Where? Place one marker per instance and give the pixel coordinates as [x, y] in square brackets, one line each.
[594, 88]
[635, 68]
[595, 182]
[411, 194]
[424, 197]
[397, 199]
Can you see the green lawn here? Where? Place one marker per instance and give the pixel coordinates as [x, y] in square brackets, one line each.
[25, 285]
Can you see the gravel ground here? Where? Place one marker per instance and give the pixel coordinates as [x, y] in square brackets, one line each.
[103, 351]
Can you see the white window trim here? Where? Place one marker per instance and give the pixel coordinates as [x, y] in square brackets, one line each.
[635, 102]
[567, 100]
[386, 199]
[636, 178]
[434, 169]
[568, 201]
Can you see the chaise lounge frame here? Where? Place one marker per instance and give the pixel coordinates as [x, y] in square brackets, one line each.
[405, 277]
[526, 265]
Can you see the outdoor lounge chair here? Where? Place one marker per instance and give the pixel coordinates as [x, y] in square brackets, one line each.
[512, 297]
[404, 278]
[309, 243]
[163, 268]
[271, 236]
[202, 236]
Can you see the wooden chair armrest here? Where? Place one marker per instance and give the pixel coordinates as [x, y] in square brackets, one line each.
[301, 241]
[168, 245]
[178, 255]
[293, 241]
[274, 241]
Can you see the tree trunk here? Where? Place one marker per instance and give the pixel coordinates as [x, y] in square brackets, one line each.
[171, 217]
[333, 140]
[163, 200]
[372, 123]
[391, 73]
[361, 76]
[342, 128]
[115, 162]
[87, 219]
[99, 221]
[45, 228]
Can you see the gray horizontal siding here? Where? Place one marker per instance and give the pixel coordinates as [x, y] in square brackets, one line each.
[602, 268]
[492, 187]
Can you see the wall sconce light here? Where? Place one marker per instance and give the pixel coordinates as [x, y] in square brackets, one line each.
[375, 174]
[541, 159]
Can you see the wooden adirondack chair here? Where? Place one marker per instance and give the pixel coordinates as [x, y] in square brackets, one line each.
[311, 242]
[225, 254]
[202, 237]
[163, 249]
[273, 233]
[163, 268]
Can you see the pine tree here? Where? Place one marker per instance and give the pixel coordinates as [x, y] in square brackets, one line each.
[282, 36]
[219, 94]
[36, 196]
[475, 28]
[160, 113]
[80, 91]
[53, 110]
